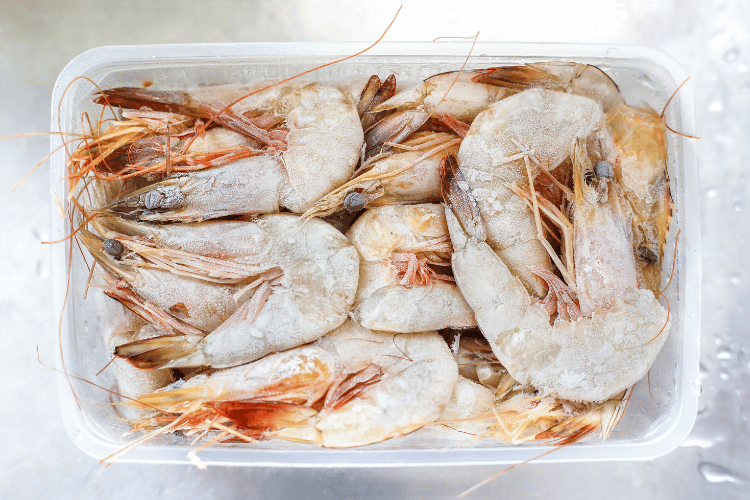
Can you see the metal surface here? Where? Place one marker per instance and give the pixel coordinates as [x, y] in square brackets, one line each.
[710, 39]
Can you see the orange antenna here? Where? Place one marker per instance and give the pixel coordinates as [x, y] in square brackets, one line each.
[226, 108]
[665, 109]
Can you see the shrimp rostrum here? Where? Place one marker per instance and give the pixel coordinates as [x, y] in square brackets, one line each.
[315, 150]
[587, 356]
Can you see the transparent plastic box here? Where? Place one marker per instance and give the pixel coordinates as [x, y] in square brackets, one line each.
[662, 410]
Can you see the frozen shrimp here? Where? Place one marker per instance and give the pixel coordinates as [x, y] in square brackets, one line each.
[398, 290]
[640, 168]
[316, 152]
[509, 143]
[350, 388]
[620, 329]
[409, 175]
[302, 277]
[168, 299]
[632, 142]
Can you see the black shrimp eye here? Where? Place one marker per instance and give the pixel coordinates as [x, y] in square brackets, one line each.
[647, 255]
[114, 248]
[588, 177]
[604, 169]
[354, 202]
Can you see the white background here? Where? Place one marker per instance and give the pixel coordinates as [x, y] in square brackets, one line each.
[709, 38]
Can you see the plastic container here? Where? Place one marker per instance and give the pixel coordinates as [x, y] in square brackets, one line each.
[651, 427]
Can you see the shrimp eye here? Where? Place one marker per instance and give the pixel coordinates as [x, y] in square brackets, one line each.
[604, 169]
[354, 202]
[647, 255]
[113, 248]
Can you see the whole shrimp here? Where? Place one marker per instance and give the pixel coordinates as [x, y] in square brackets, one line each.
[634, 140]
[302, 276]
[316, 151]
[351, 387]
[132, 382]
[590, 355]
[398, 290]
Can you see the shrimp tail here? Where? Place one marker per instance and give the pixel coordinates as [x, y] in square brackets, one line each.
[160, 352]
[392, 129]
[459, 199]
[518, 78]
[373, 94]
[172, 101]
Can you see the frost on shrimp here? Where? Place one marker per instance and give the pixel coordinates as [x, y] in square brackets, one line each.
[302, 276]
[318, 153]
[398, 290]
[534, 127]
[588, 359]
[244, 402]
[376, 386]
[417, 375]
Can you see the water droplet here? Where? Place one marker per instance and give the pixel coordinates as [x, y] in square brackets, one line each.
[724, 353]
[714, 473]
[613, 52]
[698, 441]
[712, 193]
[716, 106]
[42, 269]
[723, 375]
[737, 207]
[745, 89]
[731, 55]
[734, 279]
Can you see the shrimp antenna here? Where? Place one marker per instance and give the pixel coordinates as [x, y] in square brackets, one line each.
[226, 108]
[674, 261]
[458, 74]
[507, 469]
[69, 375]
[665, 109]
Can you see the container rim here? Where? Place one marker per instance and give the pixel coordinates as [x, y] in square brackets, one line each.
[647, 449]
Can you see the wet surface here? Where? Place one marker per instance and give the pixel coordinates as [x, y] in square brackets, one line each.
[711, 41]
